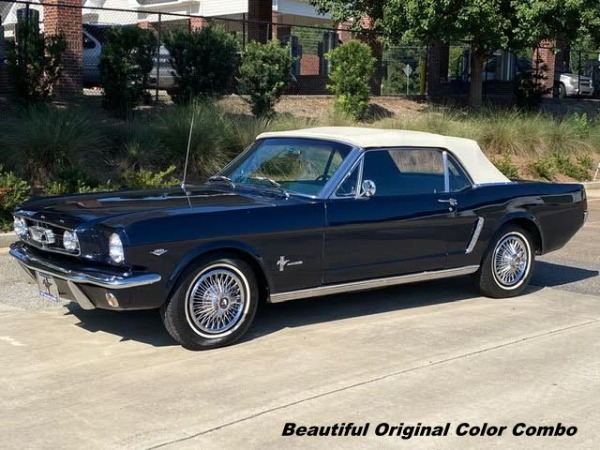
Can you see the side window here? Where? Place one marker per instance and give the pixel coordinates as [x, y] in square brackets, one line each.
[88, 43]
[405, 171]
[348, 188]
[458, 178]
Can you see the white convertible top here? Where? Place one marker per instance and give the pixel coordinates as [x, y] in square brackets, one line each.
[481, 170]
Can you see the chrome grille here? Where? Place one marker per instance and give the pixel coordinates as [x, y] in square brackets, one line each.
[47, 236]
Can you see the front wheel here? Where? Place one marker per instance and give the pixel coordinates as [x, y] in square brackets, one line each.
[507, 265]
[562, 91]
[213, 306]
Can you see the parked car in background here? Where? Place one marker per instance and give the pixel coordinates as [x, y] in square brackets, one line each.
[94, 36]
[299, 214]
[574, 85]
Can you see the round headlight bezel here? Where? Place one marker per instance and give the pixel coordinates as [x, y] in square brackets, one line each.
[115, 248]
[20, 227]
[70, 241]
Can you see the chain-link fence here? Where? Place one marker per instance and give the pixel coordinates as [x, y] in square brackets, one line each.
[308, 39]
[439, 70]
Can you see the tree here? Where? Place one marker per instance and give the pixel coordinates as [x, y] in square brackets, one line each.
[34, 63]
[487, 25]
[352, 65]
[265, 73]
[204, 61]
[125, 65]
[355, 11]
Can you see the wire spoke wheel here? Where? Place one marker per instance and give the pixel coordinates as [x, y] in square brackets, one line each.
[510, 261]
[216, 301]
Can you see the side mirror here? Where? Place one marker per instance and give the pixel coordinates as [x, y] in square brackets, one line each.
[368, 189]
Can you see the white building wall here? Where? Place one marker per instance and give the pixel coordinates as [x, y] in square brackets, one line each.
[210, 8]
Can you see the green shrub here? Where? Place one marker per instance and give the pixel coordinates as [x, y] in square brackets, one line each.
[567, 166]
[210, 143]
[125, 65]
[34, 65]
[352, 66]
[544, 168]
[265, 73]
[13, 190]
[530, 86]
[144, 179]
[505, 165]
[49, 140]
[204, 62]
[135, 145]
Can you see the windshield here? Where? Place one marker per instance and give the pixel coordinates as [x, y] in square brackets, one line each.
[297, 166]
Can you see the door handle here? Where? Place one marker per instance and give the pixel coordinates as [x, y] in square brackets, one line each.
[451, 201]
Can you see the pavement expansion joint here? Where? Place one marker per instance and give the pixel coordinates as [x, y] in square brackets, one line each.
[377, 379]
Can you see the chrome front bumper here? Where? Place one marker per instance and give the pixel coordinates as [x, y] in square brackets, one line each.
[96, 277]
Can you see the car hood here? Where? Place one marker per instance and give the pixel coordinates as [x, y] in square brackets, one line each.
[73, 210]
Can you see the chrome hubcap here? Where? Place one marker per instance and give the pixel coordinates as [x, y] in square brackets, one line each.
[216, 301]
[511, 259]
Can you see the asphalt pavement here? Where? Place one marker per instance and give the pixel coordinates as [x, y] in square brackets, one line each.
[423, 355]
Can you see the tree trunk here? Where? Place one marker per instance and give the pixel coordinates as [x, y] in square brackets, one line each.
[476, 85]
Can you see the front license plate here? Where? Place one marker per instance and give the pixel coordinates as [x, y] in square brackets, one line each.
[47, 287]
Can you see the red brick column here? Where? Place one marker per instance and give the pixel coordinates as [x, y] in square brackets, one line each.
[544, 62]
[343, 31]
[65, 16]
[549, 59]
[260, 20]
[280, 32]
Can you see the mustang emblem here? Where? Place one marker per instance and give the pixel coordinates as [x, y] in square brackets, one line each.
[159, 252]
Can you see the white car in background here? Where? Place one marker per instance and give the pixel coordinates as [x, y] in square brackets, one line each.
[573, 85]
[94, 36]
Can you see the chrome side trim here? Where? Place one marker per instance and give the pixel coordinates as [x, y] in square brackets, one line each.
[109, 280]
[446, 172]
[475, 236]
[372, 284]
[80, 297]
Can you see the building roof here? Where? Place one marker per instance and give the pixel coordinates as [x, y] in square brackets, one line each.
[468, 152]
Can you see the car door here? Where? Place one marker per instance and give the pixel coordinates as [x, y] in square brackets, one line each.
[405, 226]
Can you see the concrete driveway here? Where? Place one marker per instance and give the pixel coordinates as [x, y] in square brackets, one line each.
[431, 354]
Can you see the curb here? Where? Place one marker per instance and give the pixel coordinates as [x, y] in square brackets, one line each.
[8, 238]
[591, 185]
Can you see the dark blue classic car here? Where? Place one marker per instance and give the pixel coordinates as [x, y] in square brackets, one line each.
[299, 214]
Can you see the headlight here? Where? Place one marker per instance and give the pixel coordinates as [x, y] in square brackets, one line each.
[115, 248]
[20, 227]
[70, 241]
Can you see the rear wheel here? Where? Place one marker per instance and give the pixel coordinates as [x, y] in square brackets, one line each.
[507, 265]
[214, 305]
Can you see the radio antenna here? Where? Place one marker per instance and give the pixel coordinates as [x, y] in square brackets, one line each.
[187, 153]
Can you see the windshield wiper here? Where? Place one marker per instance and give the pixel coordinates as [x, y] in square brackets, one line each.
[272, 183]
[217, 178]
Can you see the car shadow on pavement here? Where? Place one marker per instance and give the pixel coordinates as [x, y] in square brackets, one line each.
[147, 327]
[551, 275]
[274, 317]
[141, 326]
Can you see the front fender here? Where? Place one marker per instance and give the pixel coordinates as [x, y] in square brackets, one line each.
[215, 246]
